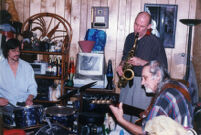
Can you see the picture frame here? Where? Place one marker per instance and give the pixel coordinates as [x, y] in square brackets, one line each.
[164, 19]
[100, 17]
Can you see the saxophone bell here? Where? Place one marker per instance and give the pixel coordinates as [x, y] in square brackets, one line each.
[128, 74]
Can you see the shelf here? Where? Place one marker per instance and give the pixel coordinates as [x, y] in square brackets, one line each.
[44, 53]
[58, 32]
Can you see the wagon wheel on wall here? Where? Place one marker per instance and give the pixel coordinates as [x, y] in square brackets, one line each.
[49, 25]
[53, 26]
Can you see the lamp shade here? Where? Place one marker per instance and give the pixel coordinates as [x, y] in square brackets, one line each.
[86, 45]
[190, 22]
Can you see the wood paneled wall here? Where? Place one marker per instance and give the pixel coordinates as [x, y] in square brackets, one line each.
[121, 17]
[197, 47]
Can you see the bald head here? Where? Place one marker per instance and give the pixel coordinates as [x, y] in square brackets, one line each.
[146, 16]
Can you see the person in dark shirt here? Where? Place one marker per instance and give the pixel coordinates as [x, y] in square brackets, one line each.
[148, 48]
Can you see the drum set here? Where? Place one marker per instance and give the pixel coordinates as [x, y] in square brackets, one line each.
[48, 121]
[55, 120]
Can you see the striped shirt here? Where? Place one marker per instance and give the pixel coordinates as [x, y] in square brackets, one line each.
[171, 102]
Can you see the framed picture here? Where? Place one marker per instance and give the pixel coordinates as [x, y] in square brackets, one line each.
[164, 18]
[100, 17]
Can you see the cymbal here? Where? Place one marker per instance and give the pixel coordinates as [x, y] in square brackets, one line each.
[81, 89]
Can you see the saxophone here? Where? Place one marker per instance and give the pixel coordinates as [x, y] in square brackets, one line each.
[128, 73]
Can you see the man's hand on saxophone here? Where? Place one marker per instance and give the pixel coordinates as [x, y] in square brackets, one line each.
[136, 61]
[119, 69]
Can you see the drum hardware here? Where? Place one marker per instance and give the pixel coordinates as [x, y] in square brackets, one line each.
[91, 123]
[61, 115]
[55, 129]
[87, 118]
[48, 122]
[92, 130]
[11, 104]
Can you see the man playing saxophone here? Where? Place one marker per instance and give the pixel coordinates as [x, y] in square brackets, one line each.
[148, 47]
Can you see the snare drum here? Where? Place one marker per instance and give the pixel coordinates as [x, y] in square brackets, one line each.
[28, 116]
[62, 115]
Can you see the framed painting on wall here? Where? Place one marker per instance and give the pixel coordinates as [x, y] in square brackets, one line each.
[164, 19]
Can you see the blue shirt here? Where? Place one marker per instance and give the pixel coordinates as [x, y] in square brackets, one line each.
[17, 88]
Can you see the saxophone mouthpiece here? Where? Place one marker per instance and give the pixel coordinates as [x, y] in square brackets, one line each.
[137, 35]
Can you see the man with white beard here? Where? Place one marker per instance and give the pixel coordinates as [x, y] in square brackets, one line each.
[171, 98]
